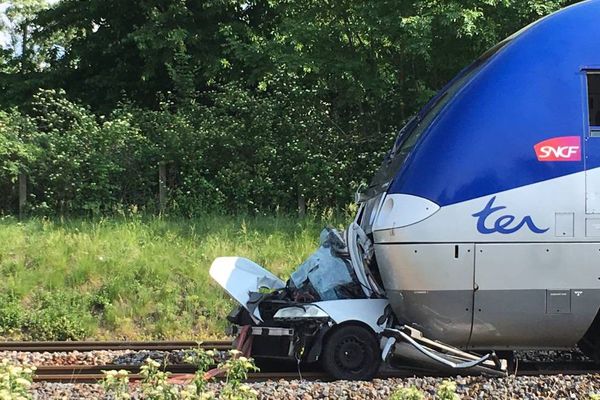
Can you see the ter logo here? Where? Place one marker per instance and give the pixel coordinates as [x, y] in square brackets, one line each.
[504, 224]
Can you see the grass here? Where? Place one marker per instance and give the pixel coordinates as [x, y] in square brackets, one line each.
[134, 278]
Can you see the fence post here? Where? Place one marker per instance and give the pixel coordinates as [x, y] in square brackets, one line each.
[162, 185]
[301, 206]
[22, 193]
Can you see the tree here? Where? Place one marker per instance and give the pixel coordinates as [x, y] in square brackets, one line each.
[256, 102]
[18, 26]
[28, 55]
[134, 50]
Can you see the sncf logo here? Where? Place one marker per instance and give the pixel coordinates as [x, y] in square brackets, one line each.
[566, 148]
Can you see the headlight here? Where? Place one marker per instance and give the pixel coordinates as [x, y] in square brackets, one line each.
[307, 311]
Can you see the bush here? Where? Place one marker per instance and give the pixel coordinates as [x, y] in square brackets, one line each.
[80, 158]
[446, 391]
[11, 315]
[407, 394]
[116, 384]
[16, 153]
[50, 317]
[155, 383]
[239, 150]
[15, 381]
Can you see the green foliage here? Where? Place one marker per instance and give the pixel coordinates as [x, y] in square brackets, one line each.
[235, 155]
[116, 384]
[407, 394]
[55, 316]
[16, 154]
[446, 391]
[254, 105]
[11, 315]
[100, 278]
[236, 369]
[155, 383]
[15, 151]
[49, 317]
[19, 26]
[202, 360]
[80, 158]
[27, 57]
[15, 381]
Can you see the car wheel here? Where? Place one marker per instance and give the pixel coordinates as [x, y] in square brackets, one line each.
[351, 352]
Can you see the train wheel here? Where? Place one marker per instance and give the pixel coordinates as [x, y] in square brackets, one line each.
[590, 343]
[591, 348]
[351, 353]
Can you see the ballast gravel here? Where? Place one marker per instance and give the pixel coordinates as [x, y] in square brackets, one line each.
[96, 357]
[534, 388]
[522, 387]
[551, 355]
[137, 357]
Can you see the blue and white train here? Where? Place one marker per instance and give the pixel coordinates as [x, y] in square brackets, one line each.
[481, 230]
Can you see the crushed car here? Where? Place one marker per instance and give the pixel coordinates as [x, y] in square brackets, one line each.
[332, 311]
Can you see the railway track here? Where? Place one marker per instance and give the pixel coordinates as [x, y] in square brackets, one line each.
[93, 373]
[53, 347]
[179, 373]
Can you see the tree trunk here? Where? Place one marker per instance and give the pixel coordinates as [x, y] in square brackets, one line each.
[24, 47]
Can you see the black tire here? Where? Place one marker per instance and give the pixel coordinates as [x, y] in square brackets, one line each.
[352, 353]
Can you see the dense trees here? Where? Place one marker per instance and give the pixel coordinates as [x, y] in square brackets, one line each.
[254, 103]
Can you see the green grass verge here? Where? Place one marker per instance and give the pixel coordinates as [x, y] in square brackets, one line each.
[134, 278]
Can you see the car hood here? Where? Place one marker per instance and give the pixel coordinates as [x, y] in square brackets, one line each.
[241, 278]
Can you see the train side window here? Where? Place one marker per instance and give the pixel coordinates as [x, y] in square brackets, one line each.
[593, 80]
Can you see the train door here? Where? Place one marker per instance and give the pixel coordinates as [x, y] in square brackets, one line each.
[523, 298]
[592, 155]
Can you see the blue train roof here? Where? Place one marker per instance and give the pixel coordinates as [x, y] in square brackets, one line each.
[477, 137]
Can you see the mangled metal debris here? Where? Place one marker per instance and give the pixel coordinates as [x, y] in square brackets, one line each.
[327, 274]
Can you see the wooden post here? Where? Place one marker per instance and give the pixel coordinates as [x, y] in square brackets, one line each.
[22, 193]
[162, 185]
[301, 206]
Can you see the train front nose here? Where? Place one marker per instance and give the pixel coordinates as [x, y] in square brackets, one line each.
[427, 281]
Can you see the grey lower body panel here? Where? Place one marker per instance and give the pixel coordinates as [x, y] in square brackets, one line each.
[497, 319]
[531, 319]
[440, 315]
[494, 295]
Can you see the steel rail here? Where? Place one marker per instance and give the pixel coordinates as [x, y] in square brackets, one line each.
[54, 347]
[93, 373]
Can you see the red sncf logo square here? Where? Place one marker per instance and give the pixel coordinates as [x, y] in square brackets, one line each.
[566, 148]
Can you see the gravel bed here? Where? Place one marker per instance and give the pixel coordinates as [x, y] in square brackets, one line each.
[551, 355]
[96, 357]
[523, 387]
[129, 357]
[545, 387]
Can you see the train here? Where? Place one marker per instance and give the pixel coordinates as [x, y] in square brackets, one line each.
[479, 234]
